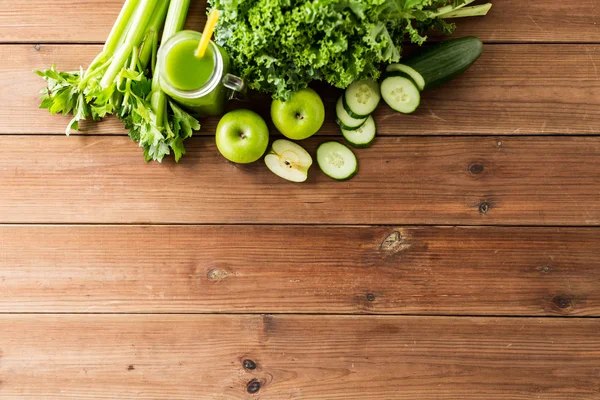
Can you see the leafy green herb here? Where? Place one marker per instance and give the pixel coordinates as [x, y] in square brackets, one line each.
[118, 81]
[279, 46]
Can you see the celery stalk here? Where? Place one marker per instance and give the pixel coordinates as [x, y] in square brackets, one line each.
[462, 10]
[151, 35]
[132, 66]
[140, 20]
[474, 11]
[116, 83]
[116, 36]
[176, 17]
[120, 26]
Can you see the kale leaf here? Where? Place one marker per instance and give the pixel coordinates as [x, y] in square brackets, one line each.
[280, 46]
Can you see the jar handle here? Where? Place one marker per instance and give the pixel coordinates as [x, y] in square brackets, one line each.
[236, 85]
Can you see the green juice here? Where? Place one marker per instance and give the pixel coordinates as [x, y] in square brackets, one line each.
[195, 83]
[185, 70]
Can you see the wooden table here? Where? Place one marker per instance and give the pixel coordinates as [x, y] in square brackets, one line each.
[463, 261]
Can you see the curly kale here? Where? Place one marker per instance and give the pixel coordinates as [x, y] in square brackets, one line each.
[280, 46]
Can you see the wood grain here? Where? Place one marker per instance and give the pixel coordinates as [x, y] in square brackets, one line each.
[509, 91]
[519, 21]
[271, 269]
[332, 357]
[490, 175]
[20, 88]
[409, 180]
[70, 21]
[82, 21]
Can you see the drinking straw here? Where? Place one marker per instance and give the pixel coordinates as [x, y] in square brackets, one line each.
[209, 28]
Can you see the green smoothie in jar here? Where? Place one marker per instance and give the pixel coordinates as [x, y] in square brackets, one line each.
[202, 85]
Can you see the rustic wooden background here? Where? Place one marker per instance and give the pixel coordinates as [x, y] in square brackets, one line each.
[463, 261]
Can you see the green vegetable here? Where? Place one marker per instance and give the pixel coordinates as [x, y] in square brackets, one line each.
[337, 161]
[363, 136]
[444, 61]
[433, 67]
[400, 92]
[158, 124]
[361, 98]
[411, 72]
[343, 119]
[118, 81]
[279, 46]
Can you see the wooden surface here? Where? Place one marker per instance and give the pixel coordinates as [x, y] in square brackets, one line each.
[508, 92]
[82, 21]
[258, 269]
[298, 357]
[474, 224]
[402, 180]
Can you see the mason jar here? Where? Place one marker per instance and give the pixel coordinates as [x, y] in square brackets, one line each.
[203, 86]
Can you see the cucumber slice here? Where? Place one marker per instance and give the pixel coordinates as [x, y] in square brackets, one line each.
[414, 74]
[446, 60]
[402, 74]
[401, 94]
[361, 98]
[363, 136]
[337, 161]
[288, 160]
[344, 120]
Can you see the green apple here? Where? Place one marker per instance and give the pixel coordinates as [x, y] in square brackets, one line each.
[288, 161]
[242, 136]
[299, 117]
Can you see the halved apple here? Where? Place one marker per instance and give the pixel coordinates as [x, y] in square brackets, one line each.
[289, 161]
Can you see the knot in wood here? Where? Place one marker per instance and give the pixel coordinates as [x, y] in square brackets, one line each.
[476, 169]
[216, 274]
[253, 386]
[249, 364]
[484, 207]
[393, 243]
[562, 302]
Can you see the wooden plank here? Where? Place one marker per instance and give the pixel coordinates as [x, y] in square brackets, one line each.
[70, 21]
[297, 357]
[20, 88]
[272, 269]
[84, 21]
[536, 21]
[407, 180]
[507, 91]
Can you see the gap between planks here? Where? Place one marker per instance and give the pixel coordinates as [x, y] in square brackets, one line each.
[314, 314]
[291, 225]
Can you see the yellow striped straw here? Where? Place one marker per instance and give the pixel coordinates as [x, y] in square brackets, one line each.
[209, 28]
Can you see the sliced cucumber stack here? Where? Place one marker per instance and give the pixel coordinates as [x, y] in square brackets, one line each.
[354, 110]
[337, 161]
[344, 120]
[400, 92]
[411, 72]
[361, 98]
[362, 136]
